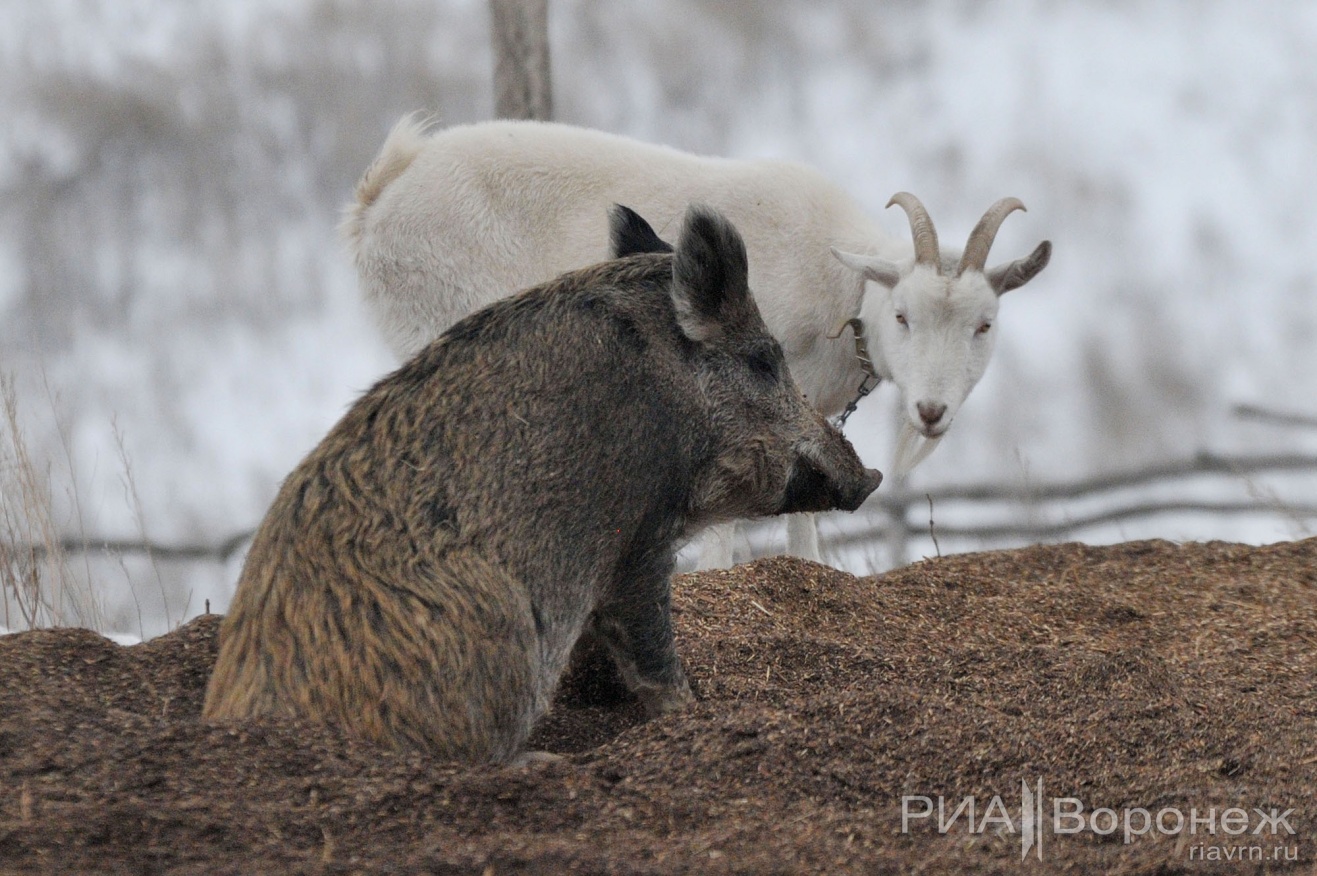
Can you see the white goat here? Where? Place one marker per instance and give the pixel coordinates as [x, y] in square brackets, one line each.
[444, 224]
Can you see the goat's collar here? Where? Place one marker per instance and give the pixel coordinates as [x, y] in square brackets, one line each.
[871, 376]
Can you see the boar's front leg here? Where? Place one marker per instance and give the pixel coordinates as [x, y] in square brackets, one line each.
[636, 626]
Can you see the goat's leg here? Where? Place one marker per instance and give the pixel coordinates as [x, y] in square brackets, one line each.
[803, 537]
[717, 547]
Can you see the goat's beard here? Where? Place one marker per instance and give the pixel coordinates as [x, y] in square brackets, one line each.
[912, 448]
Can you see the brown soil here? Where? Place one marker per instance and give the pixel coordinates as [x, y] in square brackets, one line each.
[1141, 675]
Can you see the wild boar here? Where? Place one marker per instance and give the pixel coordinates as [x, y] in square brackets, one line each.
[423, 575]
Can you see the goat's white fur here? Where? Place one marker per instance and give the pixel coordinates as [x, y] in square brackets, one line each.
[444, 224]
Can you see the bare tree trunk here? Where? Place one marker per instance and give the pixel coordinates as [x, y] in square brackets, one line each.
[521, 59]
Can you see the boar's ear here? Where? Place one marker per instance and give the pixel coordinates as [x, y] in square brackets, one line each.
[710, 287]
[630, 234]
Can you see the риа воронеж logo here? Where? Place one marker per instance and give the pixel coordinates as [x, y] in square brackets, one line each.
[1070, 816]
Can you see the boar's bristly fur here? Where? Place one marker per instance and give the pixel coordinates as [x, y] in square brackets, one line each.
[423, 575]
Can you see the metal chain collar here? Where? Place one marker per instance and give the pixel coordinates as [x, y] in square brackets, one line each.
[871, 378]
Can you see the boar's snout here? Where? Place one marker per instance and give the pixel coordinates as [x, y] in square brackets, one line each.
[809, 489]
[826, 473]
[853, 498]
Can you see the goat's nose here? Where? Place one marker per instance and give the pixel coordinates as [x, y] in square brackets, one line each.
[931, 412]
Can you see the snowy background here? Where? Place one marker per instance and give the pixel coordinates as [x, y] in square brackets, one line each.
[181, 324]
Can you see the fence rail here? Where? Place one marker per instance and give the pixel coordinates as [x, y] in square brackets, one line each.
[907, 512]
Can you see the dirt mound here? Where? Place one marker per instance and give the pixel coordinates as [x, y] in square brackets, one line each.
[1145, 677]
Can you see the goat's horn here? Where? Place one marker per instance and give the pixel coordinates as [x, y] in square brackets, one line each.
[921, 227]
[981, 238]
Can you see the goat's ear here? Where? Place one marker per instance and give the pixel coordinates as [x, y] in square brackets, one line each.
[1013, 275]
[710, 283]
[879, 270]
[631, 234]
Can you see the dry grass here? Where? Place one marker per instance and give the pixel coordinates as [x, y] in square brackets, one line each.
[37, 587]
[41, 585]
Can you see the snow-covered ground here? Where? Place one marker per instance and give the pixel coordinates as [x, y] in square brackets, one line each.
[182, 325]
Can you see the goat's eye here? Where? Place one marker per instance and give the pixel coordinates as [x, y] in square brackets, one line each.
[984, 328]
[900, 319]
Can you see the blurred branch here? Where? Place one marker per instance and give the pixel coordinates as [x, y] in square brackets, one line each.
[222, 552]
[522, 88]
[1200, 464]
[1275, 418]
[898, 506]
[1070, 525]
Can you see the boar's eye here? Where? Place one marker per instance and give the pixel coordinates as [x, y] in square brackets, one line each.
[764, 363]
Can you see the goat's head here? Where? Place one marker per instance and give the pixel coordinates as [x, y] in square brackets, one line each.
[933, 318]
